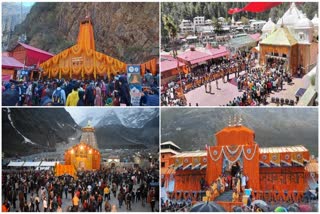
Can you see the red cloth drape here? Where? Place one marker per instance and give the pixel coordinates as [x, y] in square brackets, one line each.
[255, 7]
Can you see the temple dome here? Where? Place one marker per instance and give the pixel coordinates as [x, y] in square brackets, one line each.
[269, 26]
[290, 17]
[304, 22]
[315, 20]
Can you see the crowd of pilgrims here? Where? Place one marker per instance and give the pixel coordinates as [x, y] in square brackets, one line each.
[113, 92]
[41, 191]
[256, 82]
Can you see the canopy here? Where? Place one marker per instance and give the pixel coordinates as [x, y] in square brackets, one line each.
[16, 163]
[49, 163]
[255, 7]
[32, 164]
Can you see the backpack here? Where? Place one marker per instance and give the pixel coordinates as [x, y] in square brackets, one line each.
[57, 98]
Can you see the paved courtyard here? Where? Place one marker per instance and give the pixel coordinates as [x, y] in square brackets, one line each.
[228, 91]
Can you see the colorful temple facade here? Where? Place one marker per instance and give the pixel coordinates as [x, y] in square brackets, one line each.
[276, 171]
[82, 60]
[81, 157]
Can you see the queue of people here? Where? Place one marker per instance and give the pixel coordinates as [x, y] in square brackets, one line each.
[207, 75]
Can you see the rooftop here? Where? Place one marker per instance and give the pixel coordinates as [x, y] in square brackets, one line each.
[29, 47]
[283, 149]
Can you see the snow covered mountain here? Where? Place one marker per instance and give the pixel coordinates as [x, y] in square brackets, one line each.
[127, 117]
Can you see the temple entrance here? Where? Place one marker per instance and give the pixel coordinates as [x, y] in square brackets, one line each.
[275, 61]
[113, 165]
[231, 170]
[82, 165]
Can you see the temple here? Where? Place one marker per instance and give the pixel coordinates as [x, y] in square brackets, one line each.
[82, 60]
[274, 173]
[293, 40]
[81, 157]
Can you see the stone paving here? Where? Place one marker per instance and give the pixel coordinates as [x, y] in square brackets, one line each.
[228, 91]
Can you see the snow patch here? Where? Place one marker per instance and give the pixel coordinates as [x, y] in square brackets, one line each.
[26, 140]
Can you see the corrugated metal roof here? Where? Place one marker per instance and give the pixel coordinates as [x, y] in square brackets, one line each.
[283, 149]
[191, 154]
[194, 57]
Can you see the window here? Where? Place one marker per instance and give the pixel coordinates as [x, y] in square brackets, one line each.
[301, 36]
[163, 164]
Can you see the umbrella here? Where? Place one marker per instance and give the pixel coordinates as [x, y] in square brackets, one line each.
[207, 207]
[305, 208]
[261, 202]
[280, 209]
[237, 209]
[293, 208]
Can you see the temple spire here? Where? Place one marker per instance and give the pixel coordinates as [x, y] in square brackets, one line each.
[86, 35]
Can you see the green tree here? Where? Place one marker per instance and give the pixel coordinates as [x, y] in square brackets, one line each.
[172, 31]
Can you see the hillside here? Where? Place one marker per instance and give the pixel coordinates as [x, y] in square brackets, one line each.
[127, 31]
[192, 129]
[28, 131]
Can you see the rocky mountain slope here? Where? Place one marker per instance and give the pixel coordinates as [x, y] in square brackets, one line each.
[127, 31]
[32, 131]
[13, 13]
[27, 131]
[192, 129]
[121, 128]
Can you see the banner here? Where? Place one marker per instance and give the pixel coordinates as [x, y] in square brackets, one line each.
[134, 81]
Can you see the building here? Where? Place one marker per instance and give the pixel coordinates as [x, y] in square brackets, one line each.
[113, 161]
[269, 27]
[88, 136]
[85, 155]
[82, 60]
[257, 25]
[10, 66]
[198, 21]
[170, 68]
[186, 27]
[22, 61]
[278, 172]
[29, 55]
[292, 40]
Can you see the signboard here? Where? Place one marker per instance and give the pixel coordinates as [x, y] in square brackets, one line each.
[134, 80]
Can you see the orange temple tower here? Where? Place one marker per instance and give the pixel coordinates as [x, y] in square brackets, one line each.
[82, 60]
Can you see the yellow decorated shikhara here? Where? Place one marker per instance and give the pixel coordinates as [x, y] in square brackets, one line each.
[82, 60]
